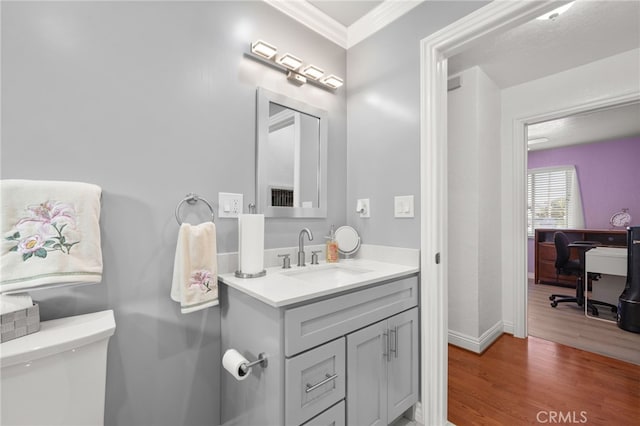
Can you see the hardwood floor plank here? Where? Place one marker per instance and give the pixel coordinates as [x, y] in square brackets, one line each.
[568, 325]
[523, 381]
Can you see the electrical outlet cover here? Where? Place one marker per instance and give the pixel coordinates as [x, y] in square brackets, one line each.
[229, 204]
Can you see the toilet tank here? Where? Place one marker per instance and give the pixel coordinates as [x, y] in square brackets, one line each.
[57, 376]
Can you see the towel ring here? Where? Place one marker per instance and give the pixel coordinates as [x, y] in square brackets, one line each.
[191, 199]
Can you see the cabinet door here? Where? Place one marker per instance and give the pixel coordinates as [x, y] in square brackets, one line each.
[367, 352]
[402, 376]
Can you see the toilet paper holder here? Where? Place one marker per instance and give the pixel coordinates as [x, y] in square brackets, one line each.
[262, 360]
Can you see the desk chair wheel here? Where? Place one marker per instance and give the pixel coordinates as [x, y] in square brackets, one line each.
[552, 298]
[554, 303]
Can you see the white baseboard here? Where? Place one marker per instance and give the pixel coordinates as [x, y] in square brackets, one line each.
[531, 275]
[418, 415]
[476, 344]
[507, 327]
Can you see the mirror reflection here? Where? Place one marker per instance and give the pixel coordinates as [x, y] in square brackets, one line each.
[291, 164]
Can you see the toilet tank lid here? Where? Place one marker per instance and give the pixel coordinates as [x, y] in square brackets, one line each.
[57, 336]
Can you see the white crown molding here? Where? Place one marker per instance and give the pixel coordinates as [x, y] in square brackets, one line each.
[345, 37]
[312, 17]
[381, 16]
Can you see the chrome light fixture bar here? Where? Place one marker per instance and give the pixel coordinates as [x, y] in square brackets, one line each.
[293, 66]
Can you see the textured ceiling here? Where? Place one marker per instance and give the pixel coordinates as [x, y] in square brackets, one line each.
[588, 31]
[595, 126]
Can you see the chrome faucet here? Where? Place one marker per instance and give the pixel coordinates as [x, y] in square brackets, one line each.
[301, 245]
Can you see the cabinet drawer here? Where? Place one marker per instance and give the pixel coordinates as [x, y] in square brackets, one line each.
[314, 381]
[334, 416]
[547, 251]
[310, 325]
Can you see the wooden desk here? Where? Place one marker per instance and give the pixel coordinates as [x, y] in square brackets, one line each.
[545, 251]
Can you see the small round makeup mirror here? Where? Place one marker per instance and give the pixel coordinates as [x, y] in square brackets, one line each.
[348, 240]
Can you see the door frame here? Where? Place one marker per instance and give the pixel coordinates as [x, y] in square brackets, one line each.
[519, 137]
[488, 21]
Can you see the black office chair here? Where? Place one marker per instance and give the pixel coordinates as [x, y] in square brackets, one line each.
[566, 266]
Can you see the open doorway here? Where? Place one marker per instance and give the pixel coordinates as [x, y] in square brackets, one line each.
[598, 85]
[538, 71]
[581, 171]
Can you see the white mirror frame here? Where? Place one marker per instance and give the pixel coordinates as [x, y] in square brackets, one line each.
[263, 98]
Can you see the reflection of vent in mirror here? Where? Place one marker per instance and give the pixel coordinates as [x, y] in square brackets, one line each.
[281, 197]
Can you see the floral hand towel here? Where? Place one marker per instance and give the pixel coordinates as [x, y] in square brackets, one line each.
[50, 234]
[195, 270]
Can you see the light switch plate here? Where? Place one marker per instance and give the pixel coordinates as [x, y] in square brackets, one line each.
[403, 206]
[229, 205]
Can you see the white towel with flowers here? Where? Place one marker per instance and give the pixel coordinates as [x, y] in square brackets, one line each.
[50, 234]
[195, 270]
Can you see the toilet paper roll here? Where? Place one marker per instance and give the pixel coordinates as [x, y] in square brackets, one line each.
[250, 243]
[232, 360]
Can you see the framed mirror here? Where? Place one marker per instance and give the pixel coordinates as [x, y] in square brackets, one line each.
[291, 157]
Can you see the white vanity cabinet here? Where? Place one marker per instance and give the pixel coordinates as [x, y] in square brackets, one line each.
[321, 358]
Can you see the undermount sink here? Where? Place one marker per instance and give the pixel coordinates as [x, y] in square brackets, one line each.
[333, 272]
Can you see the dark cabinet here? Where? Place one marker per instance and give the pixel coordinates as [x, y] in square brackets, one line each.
[545, 251]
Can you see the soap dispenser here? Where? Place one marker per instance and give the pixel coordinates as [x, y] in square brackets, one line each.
[332, 247]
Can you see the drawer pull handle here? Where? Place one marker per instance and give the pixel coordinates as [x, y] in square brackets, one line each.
[311, 388]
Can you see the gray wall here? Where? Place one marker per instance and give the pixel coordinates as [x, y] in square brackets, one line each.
[151, 100]
[384, 121]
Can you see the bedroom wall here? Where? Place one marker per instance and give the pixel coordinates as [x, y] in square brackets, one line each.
[609, 177]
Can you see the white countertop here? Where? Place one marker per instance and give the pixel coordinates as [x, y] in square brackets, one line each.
[277, 288]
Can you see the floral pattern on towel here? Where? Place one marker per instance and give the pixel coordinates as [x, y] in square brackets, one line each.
[201, 279]
[41, 231]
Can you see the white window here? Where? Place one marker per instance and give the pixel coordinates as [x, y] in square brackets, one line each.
[553, 197]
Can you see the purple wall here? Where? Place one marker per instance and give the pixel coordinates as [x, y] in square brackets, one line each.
[609, 176]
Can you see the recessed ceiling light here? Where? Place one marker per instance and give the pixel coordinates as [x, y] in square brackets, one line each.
[537, 140]
[333, 81]
[313, 72]
[555, 12]
[264, 49]
[289, 61]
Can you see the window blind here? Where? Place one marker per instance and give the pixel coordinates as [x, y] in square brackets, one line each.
[553, 198]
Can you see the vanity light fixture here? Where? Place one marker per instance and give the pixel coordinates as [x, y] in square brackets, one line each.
[312, 72]
[555, 12]
[293, 66]
[333, 81]
[263, 49]
[289, 61]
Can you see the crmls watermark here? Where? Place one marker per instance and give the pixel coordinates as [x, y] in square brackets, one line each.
[563, 417]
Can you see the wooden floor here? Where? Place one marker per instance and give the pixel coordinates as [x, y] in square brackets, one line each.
[530, 381]
[568, 325]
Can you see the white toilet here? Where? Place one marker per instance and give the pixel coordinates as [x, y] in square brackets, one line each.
[57, 376]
